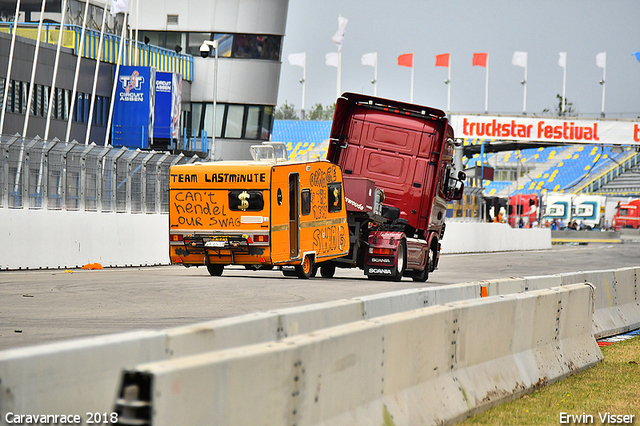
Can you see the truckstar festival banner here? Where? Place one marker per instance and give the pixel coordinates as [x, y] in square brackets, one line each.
[547, 129]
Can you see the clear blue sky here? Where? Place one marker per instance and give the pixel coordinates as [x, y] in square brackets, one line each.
[543, 28]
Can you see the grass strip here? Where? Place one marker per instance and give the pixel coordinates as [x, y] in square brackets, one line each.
[612, 386]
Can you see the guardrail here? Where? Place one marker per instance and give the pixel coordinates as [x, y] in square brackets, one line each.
[81, 375]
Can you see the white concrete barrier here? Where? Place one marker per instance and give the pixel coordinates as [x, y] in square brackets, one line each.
[617, 303]
[471, 237]
[428, 366]
[41, 239]
[73, 377]
[503, 286]
[617, 299]
[121, 239]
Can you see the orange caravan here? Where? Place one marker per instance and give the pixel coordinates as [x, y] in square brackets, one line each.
[259, 213]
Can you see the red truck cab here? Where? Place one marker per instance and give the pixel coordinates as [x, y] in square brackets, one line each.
[525, 207]
[407, 150]
[627, 216]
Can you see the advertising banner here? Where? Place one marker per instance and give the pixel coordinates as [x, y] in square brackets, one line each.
[133, 112]
[168, 105]
[547, 129]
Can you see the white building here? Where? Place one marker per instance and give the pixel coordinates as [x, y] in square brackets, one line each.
[250, 35]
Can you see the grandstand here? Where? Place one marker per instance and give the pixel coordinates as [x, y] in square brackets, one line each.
[560, 169]
[305, 140]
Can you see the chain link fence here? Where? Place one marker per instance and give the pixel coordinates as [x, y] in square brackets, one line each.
[54, 175]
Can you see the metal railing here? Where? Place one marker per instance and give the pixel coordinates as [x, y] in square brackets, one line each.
[53, 175]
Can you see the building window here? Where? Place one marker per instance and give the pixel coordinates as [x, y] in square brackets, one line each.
[252, 130]
[232, 121]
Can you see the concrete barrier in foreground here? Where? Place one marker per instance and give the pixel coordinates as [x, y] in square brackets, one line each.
[78, 374]
[429, 366]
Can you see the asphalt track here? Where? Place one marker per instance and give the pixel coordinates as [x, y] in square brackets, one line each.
[51, 305]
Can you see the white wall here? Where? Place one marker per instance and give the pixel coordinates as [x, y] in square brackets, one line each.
[37, 239]
[34, 239]
[472, 237]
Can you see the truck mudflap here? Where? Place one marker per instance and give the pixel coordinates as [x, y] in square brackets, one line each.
[386, 256]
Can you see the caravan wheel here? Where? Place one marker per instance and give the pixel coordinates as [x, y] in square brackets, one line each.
[306, 269]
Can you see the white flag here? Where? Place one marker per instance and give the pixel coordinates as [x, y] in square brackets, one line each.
[298, 59]
[338, 37]
[519, 59]
[119, 6]
[370, 59]
[601, 59]
[331, 59]
[562, 61]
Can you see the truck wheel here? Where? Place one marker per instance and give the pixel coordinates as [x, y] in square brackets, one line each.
[422, 276]
[327, 271]
[305, 269]
[400, 262]
[215, 270]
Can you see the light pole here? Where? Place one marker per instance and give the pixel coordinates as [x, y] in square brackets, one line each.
[204, 52]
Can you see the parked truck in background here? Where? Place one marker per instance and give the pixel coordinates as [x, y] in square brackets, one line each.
[627, 215]
[523, 207]
[588, 210]
[557, 206]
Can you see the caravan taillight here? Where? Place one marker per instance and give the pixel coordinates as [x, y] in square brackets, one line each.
[175, 237]
[261, 238]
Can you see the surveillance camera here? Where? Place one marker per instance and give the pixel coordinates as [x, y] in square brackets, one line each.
[204, 50]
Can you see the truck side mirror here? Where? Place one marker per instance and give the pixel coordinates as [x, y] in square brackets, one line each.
[462, 176]
[458, 190]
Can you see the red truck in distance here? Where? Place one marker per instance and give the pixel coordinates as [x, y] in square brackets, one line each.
[627, 216]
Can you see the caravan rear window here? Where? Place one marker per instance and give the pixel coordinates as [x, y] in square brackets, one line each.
[335, 197]
[243, 200]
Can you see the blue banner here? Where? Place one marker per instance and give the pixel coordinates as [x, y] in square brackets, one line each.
[168, 105]
[133, 114]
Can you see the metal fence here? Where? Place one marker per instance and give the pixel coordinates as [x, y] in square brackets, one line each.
[53, 175]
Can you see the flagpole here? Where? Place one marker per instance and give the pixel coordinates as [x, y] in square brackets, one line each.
[449, 87]
[55, 72]
[486, 87]
[412, 73]
[524, 83]
[33, 74]
[375, 76]
[339, 72]
[603, 82]
[95, 76]
[564, 83]
[115, 81]
[304, 82]
[9, 66]
[135, 50]
[77, 73]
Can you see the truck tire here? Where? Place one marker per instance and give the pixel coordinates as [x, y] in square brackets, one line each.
[306, 268]
[422, 276]
[215, 270]
[327, 271]
[401, 261]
